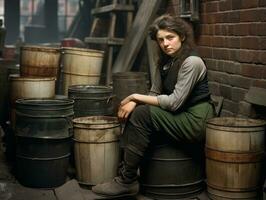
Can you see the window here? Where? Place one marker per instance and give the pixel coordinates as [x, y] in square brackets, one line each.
[2, 9]
[67, 10]
[189, 9]
[31, 13]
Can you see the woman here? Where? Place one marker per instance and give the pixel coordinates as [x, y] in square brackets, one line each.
[177, 106]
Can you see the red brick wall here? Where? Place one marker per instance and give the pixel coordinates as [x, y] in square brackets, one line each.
[231, 36]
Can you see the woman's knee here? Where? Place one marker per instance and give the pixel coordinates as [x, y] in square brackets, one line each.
[140, 114]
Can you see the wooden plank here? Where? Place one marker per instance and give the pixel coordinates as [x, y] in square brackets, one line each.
[112, 8]
[70, 190]
[152, 58]
[104, 40]
[136, 36]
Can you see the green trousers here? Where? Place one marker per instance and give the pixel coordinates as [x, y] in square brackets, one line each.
[187, 125]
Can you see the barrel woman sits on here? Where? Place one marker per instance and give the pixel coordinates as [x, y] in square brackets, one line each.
[177, 106]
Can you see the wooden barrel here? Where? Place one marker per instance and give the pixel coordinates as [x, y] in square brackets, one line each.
[96, 148]
[29, 87]
[234, 154]
[41, 61]
[81, 66]
[172, 171]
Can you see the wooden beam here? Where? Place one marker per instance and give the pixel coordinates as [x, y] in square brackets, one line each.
[104, 40]
[12, 20]
[136, 36]
[112, 8]
[152, 58]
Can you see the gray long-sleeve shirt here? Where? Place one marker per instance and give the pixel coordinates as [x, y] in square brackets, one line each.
[191, 71]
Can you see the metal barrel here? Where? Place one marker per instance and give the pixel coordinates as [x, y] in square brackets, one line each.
[43, 141]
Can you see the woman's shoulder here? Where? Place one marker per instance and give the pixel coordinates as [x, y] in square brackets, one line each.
[194, 61]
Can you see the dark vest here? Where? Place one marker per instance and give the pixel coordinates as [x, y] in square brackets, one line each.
[199, 93]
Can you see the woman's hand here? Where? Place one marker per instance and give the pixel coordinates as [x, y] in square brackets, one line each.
[125, 109]
[128, 99]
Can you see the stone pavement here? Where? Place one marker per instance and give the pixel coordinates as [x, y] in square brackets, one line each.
[11, 189]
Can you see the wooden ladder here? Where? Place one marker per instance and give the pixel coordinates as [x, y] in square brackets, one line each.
[111, 10]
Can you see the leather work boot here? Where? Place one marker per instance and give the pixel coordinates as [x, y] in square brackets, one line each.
[116, 189]
[125, 184]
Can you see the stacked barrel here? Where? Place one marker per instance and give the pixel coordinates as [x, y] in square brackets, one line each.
[96, 130]
[39, 122]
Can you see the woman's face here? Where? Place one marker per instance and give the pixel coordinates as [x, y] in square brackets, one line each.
[169, 41]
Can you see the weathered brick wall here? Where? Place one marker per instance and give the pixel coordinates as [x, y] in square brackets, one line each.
[232, 40]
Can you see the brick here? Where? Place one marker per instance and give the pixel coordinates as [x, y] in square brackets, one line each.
[211, 29]
[253, 29]
[240, 81]
[259, 83]
[249, 3]
[240, 30]
[250, 15]
[238, 94]
[262, 57]
[264, 73]
[262, 3]
[224, 29]
[236, 4]
[225, 5]
[211, 64]
[230, 106]
[262, 15]
[204, 29]
[214, 88]
[234, 16]
[211, 7]
[249, 43]
[218, 41]
[252, 70]
[262, 43]
[234, 54]
[245, 109]
[205, 52]
[261, 28]
[217, 29]
[230, 67]
[219, 77]
[205, 41]
[226, 91]
[249, 56]
[226, 113]
[220, 54]
[222, 17]
[233, 42]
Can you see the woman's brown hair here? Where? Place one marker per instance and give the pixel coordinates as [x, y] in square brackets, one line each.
[180, 27]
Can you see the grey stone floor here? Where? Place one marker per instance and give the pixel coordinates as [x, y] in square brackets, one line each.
[11, 189]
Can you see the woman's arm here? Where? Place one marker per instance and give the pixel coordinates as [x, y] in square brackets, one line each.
[142, 99]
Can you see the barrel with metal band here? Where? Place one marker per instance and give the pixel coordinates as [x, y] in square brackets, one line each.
[234, 155]
[43, 141]
[81, 66]
[91, 100]
[96, 148]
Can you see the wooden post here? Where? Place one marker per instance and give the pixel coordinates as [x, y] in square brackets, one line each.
[12, 20]
[51, 20]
